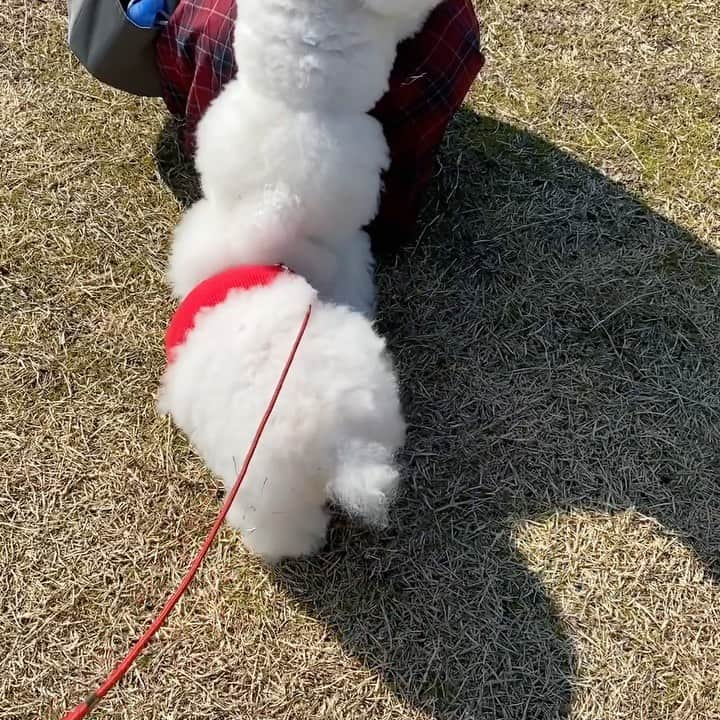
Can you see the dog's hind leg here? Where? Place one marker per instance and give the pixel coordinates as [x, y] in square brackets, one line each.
[280, 525]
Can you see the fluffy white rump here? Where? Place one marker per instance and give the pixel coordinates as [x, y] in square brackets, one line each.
[336, 427]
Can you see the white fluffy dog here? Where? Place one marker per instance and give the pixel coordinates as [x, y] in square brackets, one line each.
[290, 166]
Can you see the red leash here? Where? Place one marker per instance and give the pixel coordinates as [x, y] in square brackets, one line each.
[117, 674]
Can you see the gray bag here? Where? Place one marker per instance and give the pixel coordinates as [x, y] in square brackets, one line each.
[114, 49]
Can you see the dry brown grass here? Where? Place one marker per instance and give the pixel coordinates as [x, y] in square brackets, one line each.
[557, 329]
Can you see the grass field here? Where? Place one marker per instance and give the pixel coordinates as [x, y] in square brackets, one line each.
[557, 330]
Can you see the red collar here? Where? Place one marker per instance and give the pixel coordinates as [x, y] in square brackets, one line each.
[212, 292]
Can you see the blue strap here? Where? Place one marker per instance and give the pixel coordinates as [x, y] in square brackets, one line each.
[147, 13]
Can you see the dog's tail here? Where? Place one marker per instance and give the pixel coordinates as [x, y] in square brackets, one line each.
[366, 482]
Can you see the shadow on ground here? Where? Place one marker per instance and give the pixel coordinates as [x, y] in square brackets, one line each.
[558, 345]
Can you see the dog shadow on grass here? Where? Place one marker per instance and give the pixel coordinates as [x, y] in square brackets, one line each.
[558, 346]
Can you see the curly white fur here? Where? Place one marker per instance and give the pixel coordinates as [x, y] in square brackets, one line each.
[290, 166]
[335, 429]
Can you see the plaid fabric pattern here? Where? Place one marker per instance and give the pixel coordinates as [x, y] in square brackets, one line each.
[433, 72]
